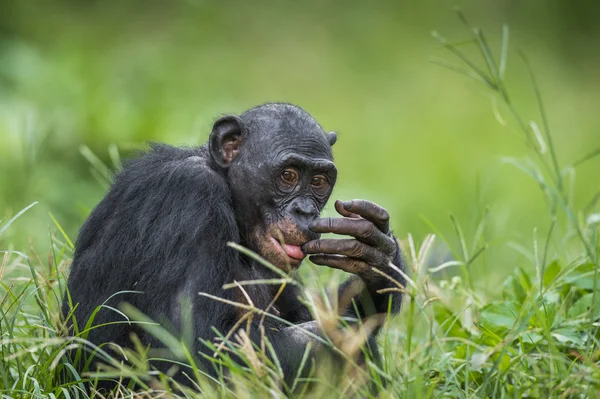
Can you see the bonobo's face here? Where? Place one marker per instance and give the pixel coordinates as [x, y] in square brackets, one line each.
[281, 174]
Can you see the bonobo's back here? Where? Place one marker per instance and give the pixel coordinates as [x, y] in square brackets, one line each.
[142, 239]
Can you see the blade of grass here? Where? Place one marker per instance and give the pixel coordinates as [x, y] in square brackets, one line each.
[21, 212]
[62, 231]
[504, 52]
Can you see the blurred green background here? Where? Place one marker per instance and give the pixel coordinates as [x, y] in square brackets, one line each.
[420, 140]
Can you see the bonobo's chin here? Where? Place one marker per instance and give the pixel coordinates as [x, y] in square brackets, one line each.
[286, 257]
[281, 242]
[292, 253]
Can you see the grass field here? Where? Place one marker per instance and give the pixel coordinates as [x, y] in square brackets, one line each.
[503, 298]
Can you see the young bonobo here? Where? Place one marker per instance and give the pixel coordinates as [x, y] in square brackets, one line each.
[159, 238]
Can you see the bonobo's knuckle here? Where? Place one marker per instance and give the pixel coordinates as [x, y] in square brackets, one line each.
[364, 206]
[330, 223]
[358, 267]
[384, 261]
[316, 245]
[361, 228]
[384, 215]
[357, 249]
[391, 248]
[354, 265]
[370, 231]
[390, 241]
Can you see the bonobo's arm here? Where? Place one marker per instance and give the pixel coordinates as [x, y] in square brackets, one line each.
[373, 247]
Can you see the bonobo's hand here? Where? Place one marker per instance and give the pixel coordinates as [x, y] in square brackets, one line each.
[373, 244]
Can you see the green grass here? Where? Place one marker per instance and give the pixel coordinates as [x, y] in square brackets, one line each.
[539, 338]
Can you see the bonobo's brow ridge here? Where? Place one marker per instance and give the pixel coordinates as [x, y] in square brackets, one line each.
[315, 163]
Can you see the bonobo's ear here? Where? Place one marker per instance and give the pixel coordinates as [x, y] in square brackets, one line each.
[331, 137]
[227, 134]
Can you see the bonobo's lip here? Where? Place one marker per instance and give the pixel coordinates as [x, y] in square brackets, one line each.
[293, 252]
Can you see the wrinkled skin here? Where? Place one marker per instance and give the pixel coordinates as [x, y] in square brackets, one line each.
[280, 211]
[373, 245]
[288, 212]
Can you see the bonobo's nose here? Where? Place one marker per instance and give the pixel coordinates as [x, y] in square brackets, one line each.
[304, 210]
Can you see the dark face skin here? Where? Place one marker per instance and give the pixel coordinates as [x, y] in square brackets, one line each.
[280, 171]
[281, 175]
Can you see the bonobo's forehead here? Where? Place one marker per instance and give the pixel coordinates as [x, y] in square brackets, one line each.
[277, 129]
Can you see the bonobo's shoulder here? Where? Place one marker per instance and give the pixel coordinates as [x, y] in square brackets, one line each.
[162, 188]
[166, 156]
[163, 161]
[188, 172]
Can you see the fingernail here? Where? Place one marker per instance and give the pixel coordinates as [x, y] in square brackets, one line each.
[347, 204]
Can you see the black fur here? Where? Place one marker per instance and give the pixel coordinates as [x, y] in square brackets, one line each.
[162, 231]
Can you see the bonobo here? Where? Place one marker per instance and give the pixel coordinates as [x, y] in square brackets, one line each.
[160, 237]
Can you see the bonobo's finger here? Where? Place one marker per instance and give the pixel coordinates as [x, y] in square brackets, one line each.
[339, 207]
[344, 263]
[348, 247]
[370, 211]
[361, 229]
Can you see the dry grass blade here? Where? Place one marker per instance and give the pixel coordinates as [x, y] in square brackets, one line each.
[246, 347]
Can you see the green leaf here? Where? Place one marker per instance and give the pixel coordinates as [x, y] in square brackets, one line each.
[524, 279]
[584, 305]
[499, 317]
[449, 323]
[546, 316]
[569, 335]
[583, 277]
[550, 273]
[488, 337]
[504, 363]
[512, 290]
[516, 286]
[531, 337]
[461, 352]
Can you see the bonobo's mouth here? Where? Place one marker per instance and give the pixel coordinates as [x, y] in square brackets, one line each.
[293, 252]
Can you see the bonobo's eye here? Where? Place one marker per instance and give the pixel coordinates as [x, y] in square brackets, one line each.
[319, 182]
[289, 176]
